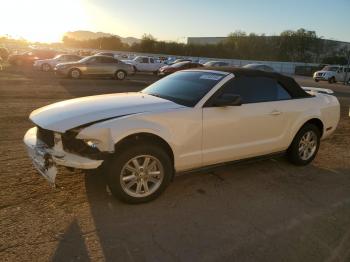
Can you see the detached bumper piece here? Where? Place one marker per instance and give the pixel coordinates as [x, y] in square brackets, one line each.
[45, 158]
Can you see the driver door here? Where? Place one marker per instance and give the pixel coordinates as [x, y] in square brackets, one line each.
[94, 66]
[254, 128]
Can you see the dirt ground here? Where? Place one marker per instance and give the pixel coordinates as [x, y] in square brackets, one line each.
[260, 211]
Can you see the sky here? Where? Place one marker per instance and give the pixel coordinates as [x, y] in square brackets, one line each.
[47, 20]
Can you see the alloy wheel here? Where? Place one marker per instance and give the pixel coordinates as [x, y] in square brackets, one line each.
[307, 145]
[141, 176]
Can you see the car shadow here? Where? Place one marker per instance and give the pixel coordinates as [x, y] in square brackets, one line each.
[266, 211]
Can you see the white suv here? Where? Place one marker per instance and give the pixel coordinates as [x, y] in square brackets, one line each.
[332, 74]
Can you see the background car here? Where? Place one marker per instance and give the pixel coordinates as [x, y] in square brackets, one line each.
[261, 67]
[332, 74]
[95, 66]
[216, 64]
[49, 64]
[144, 64]
[167, 70]
[28, 58]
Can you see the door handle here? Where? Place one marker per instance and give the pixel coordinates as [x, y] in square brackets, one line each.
[275, 113]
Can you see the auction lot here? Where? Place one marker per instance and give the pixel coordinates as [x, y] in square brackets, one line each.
[259, 211]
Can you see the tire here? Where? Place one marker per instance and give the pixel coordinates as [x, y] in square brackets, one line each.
[316, 80]
[331, 80]
[133, 188]
[45, 67]
[305, 145]
[120, 75]
[75, 73]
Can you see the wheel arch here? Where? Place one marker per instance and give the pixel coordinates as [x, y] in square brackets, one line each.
[316, 122]
[137, 138]
[75, 68]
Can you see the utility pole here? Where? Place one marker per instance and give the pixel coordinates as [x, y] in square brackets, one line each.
[347, 69]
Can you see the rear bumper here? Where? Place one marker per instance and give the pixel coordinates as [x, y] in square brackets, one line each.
[46, 159]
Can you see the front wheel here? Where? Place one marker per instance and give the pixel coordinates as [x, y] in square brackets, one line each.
[75, 73]
[140, 173]
[46, 67]
[305, 145]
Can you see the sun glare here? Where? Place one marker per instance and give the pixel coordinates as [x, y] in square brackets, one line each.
[42, 20]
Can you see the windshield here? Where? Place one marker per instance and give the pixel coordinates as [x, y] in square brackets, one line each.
[184, 88]
[209, 63]
[252, 66]
[57, 56]
[330, 68]
[180, 64]
[85, 59]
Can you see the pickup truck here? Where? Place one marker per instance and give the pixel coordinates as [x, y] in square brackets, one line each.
[144, 64]
[333, 74]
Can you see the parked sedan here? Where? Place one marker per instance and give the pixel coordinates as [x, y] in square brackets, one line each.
[167, 70]
[189, 120]
[260, 67]
[95, 66]
[49, 64]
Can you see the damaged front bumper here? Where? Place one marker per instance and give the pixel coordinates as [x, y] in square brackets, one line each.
[46, 159]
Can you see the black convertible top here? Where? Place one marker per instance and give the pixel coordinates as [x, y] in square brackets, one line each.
[287, 82]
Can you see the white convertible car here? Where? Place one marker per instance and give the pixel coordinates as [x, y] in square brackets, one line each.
[189, 120]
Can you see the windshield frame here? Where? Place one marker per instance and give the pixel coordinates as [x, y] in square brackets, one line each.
[201, 101]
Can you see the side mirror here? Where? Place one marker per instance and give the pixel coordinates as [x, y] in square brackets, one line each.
[228, 100]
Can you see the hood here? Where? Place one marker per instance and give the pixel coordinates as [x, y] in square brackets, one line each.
[130, 62]
[69, 114]
[327, 72]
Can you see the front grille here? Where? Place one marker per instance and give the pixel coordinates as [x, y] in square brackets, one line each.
[45, 136]
[320, 74]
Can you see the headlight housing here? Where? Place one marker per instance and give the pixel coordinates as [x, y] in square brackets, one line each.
[93, 143]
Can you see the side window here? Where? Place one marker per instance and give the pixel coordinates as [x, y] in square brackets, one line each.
[282, 93]
[256, 89]
[151, 60]
[107, 60]
[144, 60]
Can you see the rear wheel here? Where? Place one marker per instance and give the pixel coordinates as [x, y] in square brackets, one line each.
[305, 145]
[120, 75]
[140, 173]
[75, 73]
